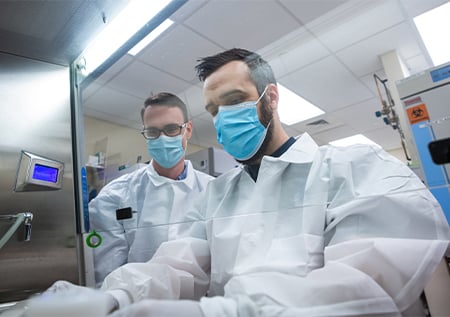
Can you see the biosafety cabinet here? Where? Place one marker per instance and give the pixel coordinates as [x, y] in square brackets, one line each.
[426, 101]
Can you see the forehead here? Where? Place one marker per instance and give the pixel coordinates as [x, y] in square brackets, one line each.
[159, 116]
[234, 75]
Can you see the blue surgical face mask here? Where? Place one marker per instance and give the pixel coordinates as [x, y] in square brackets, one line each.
[166, 151]
[239, 130]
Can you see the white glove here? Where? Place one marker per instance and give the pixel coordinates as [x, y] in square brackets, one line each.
[66, 299]
[18, 310]
[65, 286]
[158, 308]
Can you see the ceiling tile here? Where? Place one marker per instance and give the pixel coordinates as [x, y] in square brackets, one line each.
[356, 22]
[111, 101]
[177, 51]
[327, 84]
[194, 100]
[308, 10]
[369, 80]
[90, 90]
[115, 69]
[363, 57]
[361, 117]
[295, 50]
[187, 9]
[243, 23]
[141, 80]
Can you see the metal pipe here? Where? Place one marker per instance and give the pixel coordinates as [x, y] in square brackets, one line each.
[387, 110]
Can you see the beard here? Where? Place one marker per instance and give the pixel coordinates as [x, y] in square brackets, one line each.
[266, 120]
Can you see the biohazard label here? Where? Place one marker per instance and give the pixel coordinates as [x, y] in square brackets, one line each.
[417, 113]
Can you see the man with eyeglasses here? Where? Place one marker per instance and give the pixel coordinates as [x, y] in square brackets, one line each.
[135, 213]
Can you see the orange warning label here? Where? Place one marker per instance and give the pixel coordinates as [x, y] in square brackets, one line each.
[417, 113]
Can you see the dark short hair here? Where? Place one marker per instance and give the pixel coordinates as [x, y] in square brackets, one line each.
[165, 99]
[261, 73]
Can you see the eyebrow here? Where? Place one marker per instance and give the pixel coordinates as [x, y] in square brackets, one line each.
[225, 95]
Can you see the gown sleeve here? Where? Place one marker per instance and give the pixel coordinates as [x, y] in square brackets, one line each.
[178, 270]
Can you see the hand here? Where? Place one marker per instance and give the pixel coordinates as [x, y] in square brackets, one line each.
[65, 286]
[158, 308]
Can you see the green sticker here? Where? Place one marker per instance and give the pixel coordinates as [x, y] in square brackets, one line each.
[94, 240]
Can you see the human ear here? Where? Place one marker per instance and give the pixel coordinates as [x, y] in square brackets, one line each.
[272, 95]
[189, 127]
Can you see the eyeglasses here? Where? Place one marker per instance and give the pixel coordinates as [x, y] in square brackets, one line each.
[169, 130]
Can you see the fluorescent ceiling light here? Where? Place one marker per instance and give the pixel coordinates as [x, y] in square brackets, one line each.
[433, 27]
[129, 21]
[351, 140]
[149, 38]
[292, 108]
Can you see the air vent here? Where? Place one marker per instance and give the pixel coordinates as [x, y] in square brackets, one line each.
[318, 122]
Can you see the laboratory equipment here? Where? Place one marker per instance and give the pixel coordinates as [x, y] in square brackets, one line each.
[425, 97]
[38, 173]
[388, 112]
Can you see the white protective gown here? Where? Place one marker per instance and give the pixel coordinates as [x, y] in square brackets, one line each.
[324, 231]
[155, 200]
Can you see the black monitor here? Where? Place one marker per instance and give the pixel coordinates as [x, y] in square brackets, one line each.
[440, 151]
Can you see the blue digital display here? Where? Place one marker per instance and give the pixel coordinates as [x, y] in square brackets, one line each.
[45, 173]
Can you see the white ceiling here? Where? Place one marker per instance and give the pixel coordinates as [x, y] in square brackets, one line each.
[324, 50]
